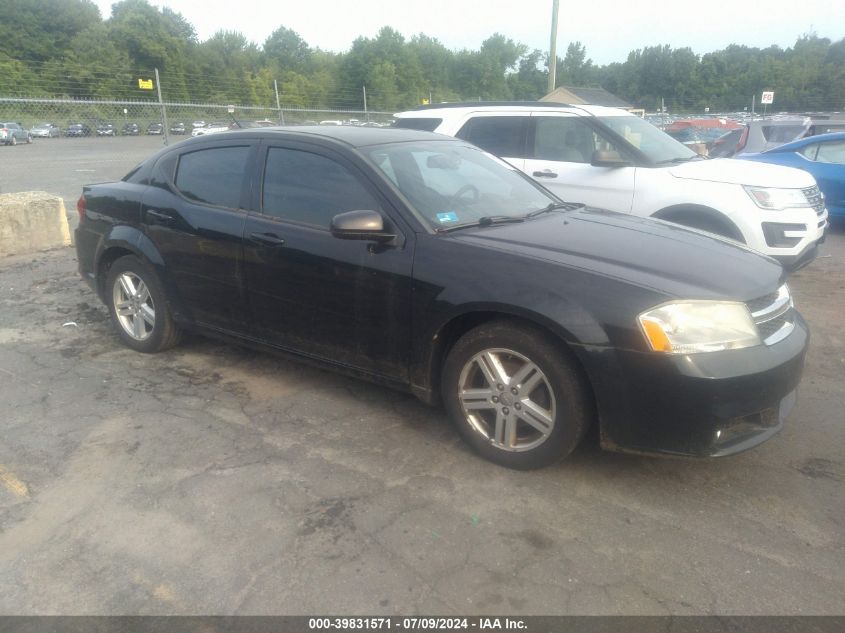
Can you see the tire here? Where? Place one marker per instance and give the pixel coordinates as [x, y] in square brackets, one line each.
[14, 140]
[538, 403]
[28, 139]
[144, 323]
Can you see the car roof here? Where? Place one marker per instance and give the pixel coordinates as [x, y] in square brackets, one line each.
[450, 110]
[352, 135]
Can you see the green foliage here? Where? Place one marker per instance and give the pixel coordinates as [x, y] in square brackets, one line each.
[64, 48]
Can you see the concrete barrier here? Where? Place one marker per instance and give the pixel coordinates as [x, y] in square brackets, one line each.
[32, 221]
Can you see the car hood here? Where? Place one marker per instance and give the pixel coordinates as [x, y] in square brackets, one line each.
[740, 172]
[665, 257]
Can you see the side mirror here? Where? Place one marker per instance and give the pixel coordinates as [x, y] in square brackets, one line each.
[608, 158]
[360, 225]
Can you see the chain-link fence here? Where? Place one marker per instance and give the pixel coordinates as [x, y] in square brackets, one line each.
[150, 117]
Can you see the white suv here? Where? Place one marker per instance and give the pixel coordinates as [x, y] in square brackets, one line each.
[609, 158]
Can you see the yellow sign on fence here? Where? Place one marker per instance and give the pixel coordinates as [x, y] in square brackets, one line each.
[145, 84]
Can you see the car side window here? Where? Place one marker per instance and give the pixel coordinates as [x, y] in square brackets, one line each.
[500, 135]
[213, 176]
[567, 139]
[809, 152]
[310, 189]
[833, 152]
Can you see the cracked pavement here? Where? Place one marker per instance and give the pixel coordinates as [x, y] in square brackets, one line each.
[211, 479]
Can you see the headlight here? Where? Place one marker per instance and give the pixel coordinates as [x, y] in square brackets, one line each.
[770, 198]
[688, 327]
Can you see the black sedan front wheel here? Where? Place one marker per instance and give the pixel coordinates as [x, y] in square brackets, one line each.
[514, 395]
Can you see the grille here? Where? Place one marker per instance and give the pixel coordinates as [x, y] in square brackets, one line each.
[814, 197]
[755, 305]
[772, 313]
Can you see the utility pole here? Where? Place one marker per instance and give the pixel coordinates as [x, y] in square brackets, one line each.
[553, 46]
[278, 105]
[164, 130]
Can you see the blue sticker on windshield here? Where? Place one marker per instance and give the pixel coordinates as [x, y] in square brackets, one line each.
[448, 216]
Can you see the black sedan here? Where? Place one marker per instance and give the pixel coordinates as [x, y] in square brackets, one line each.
[77, 129]
[424, 263]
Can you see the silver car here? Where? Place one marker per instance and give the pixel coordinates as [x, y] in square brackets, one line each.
[45, 130]
[11, 133]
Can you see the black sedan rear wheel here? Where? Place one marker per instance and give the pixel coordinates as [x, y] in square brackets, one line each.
[514, 395]
[138, 306]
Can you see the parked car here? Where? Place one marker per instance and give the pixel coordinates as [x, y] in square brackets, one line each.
[211, 128]
[423, 263]
[12, 133]
[106, 129]
[612, 159]
[823, 156]
[177, 128]
[197, 124]
[155, 128]
[699, 134]
[760, 135]
[131, 129]
[45, 130]
[77, 129]
[826, 126]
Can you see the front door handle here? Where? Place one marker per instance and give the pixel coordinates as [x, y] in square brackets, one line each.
[267, 239]
[159, 217]
[546, 173]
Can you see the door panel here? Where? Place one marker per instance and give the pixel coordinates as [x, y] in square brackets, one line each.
[201, 243]
[559, 159]
[345, 301]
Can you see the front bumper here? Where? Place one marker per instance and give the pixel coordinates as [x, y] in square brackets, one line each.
[702, 405]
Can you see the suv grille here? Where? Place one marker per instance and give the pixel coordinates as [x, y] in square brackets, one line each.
[773, 315]
[814, 197]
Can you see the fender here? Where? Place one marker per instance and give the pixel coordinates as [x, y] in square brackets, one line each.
[687, 214]
[121, 239]
[431, 348]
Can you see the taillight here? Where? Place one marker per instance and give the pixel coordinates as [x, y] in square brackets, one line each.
[80, 207]
[743, 139]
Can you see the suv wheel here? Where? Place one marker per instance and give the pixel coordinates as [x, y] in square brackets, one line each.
[138, 306]
[515, 398]
[14, 140]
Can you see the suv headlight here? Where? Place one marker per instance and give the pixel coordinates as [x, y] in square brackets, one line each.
[777, 199]
[689, 327]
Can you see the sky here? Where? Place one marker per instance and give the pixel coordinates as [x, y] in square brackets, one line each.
[608, 29]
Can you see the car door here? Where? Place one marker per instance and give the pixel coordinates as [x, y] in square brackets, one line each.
[194, 213]
[561, 147]
[343, 301]
[830, 174]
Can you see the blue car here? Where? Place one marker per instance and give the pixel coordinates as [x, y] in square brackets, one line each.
[823, 156]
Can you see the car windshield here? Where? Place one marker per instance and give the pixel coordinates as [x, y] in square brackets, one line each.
[658, 147]
[451, 184]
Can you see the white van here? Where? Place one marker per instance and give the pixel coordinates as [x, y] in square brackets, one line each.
[609, 158]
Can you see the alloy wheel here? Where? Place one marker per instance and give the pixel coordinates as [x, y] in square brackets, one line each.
[507, 399]
[133, 306]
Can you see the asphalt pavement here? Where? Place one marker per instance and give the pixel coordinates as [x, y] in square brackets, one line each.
[214, 480]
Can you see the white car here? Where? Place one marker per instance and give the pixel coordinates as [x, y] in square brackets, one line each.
[211, 128]
[611, 159]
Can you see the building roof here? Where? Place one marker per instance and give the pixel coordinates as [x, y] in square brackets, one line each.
[584, 96]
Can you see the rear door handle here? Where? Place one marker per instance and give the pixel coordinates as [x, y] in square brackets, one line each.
[159, 217]
[546, 173]
[267, 239]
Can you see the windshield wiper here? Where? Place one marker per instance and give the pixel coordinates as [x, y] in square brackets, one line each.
[487, 220]
[554, 206]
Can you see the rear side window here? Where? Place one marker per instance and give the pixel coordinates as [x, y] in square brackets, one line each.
[213, 176]
[310, 189]
[502, 136]
[782, 133]
[424, 124]
[833, 152]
